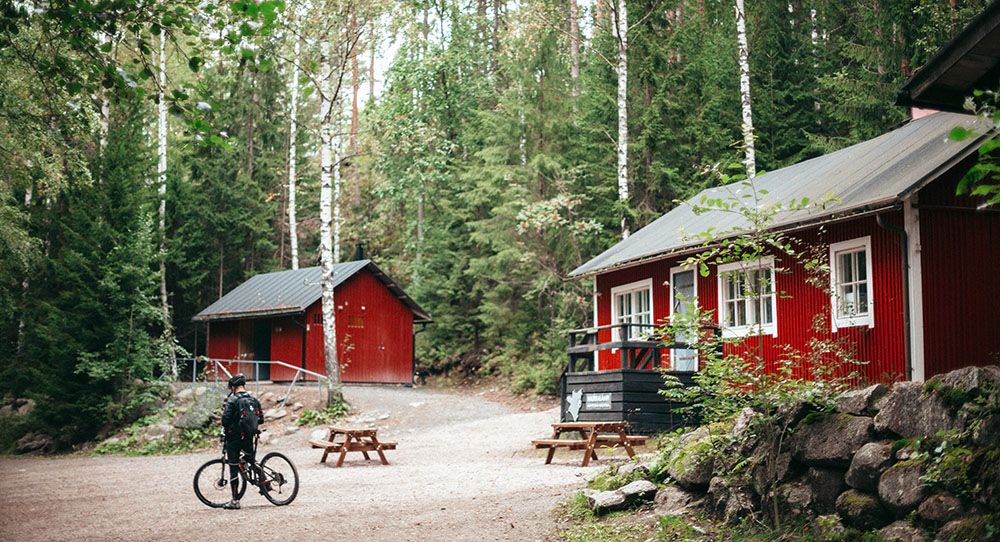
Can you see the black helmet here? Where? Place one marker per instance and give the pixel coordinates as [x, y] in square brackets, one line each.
[237, 381]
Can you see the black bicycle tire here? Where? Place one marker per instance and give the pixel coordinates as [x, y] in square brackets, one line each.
[242, 488]
[295, 473]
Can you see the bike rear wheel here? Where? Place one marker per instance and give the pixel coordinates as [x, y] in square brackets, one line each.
[280, 479]
[211, 484]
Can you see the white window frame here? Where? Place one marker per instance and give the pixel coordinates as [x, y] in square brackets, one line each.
[852, 245]
[632, 287]
[752, 329]
[694, 301]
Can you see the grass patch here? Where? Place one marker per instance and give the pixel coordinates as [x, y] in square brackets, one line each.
[323, 416]
[606, 532]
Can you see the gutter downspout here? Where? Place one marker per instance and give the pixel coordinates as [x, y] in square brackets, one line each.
[904, 251]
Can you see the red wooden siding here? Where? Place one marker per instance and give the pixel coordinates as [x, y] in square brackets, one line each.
[381, 350]
[960, 248]
[286, 345]
[374, 332]
[224, 341]
[803, 311]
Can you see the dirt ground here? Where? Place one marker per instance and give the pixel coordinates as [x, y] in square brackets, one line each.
[464, 470]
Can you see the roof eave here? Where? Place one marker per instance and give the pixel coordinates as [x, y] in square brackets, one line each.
[215, 317]
[840, 216]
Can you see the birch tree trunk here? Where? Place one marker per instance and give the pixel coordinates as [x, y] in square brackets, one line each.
[622, 29]
[28, 193]
[574, 46]
[325, 235]
[104, 113]
[293, 124]
[371, 67]
[161, 170]
[336, 192]
[750, 159]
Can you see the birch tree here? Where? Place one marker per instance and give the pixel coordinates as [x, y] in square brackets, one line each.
[326, 99]
[336, 190]
[621, 25]
[161, 170]
[293, 110]
[574, 46]
[331, 77]
[750, 160]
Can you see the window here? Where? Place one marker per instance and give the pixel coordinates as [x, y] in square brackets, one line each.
[683, 300]
[356, 321]
[632, 304]
[851, 283]
[747, 304]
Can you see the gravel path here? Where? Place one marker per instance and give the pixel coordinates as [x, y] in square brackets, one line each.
[463, 471]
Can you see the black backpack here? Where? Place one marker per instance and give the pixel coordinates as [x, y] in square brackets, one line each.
[250, 414]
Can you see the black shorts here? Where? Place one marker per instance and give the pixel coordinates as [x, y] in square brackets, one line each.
[235, 446]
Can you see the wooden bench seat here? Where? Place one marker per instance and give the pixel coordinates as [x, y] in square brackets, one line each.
[353, 446]
[592, 435]
[560, 443]
[355, 440]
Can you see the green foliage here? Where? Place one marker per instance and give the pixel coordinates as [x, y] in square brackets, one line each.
[609, 479]
[324, 416]
[133, 443]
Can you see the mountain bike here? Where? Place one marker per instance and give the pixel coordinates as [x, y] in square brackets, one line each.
[274, 475]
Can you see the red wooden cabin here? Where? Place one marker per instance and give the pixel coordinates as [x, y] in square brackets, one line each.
[278, 317]
[914, 268]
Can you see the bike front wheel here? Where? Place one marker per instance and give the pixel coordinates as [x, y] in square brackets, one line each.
[279, 479]
[211, 484]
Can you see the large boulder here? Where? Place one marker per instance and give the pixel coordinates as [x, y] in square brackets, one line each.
[33, 443]
[900, 487]
[639, 490]
[910, 412]
[157, 431]
[826, 484]
[860, 510]
[970, 380]
[901, 531]
[868, 465]
[796, 499]
[602, 502]
[627, 496]
[673, 501]
[941, 508]
[691, 463]
[832, 440]
[967, 528]
[730, 502]
[201, 411]
[863, 401]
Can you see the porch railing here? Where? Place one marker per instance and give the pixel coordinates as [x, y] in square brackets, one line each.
[212, 368]
[638, 345]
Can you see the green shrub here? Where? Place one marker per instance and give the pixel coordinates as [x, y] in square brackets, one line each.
[323, 416]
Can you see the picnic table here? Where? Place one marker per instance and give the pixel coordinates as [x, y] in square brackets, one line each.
[345, 439]
[591, 435]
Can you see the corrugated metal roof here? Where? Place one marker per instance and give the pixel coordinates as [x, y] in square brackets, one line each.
[873, 174]
[291, 292]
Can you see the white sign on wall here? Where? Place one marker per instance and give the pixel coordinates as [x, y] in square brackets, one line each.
[597, 401]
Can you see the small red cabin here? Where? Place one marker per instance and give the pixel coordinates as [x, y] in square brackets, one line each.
[914, 273]
[278, 317]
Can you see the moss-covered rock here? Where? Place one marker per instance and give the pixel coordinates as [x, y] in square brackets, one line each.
[861, 510]
[901, 488]
[831, 440]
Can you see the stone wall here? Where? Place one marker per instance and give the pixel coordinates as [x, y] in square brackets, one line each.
[919, 461]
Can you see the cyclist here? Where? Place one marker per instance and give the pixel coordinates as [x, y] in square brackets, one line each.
[240, 417]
